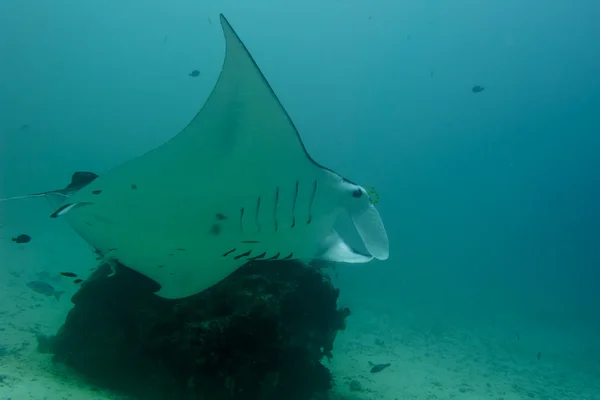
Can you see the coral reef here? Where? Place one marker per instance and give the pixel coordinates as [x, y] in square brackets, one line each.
[259, 334]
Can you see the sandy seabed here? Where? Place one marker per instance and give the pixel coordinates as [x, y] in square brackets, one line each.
[453, 364]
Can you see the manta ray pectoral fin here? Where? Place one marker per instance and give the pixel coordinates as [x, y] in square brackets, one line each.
[336, 250]
[55, 199]
[371, 230]
[68, 207]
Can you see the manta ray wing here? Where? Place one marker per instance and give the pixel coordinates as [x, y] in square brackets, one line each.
[236, 184]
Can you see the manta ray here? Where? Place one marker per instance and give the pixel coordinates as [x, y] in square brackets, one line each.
[235, 185]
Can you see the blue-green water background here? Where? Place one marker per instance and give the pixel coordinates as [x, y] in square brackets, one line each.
[490, 199]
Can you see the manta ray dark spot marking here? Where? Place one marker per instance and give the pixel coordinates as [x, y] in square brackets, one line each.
[288, 257]
[250, 241]
[262, 255]
[246, 254]
[220, 217]
[133, 186]
[357, 193]
[96, 191]
[229, 252]
[215, 229]
[256, 215]
[275, 257]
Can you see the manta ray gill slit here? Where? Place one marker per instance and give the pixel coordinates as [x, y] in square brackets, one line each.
[246, 254]
[261, 255]
[310, 204]
[229, 252]
[256, 215]
[242, 220]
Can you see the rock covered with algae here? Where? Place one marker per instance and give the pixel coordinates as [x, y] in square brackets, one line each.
[259, 334]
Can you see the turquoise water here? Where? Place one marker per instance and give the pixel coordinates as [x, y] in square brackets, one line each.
[490, 199]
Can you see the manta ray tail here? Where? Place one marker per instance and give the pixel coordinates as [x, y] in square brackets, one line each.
[26, 196]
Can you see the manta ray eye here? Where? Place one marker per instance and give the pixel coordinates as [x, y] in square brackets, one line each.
[357, 193]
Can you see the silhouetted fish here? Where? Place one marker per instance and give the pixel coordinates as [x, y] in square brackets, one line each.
[69, 274]
[22, 239]
[477, 89]
[379, 368]
[45, 289]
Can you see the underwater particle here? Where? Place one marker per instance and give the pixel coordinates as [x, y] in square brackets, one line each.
[355, 386]
[477, 89]
[23, 238]
[96, 191]
[77, 281]
[539, 355]
[44, 288]
[379, 368]
[69, 274]
[194, 73]
[133, 186]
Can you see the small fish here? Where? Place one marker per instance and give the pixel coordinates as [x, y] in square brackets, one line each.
[77, 281]
[379, 368]
[45, 289]
[69, 274]
[477, 89]
[518, 336]
[539, 355]
[194, 73]
[22, 239]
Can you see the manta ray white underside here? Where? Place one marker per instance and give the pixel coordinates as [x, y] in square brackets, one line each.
[237, 184]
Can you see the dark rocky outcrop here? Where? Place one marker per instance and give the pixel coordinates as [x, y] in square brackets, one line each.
[259, 334]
